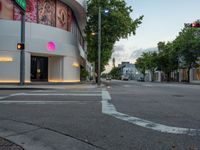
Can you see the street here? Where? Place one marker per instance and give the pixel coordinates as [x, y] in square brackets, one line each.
[121, 115]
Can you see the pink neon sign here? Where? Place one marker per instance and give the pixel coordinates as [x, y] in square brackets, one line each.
[51, 46]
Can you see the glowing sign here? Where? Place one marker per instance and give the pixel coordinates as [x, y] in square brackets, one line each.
[51, 46]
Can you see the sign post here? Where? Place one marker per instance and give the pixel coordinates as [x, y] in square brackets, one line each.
[22, 6]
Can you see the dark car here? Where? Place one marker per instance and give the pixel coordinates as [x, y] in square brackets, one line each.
[141, 79]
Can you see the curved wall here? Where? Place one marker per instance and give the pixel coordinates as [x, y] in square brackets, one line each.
[63, 59]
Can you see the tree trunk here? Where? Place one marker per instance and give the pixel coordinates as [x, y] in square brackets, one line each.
[168, 77]
[188, 73]
[152, 76]
[96, 72]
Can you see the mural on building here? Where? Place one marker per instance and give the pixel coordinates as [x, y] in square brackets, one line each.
[46, 12]
[61, 15]
[6, 9]
[31, 11]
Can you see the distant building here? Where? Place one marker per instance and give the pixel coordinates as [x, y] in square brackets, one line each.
[127, 68]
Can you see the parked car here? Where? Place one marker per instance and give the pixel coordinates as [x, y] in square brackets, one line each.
[125, 77]
[108, 78]
[141, 79]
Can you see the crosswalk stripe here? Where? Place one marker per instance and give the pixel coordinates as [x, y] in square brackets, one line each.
[109, 109]
[41, 102]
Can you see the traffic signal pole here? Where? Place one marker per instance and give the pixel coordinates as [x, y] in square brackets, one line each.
[22, 52]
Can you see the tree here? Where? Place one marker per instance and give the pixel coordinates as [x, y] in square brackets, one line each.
[187, 43]
[140, 65]
[117, 24]
[83, 74]
[167, 58]
[115, 73]
[150, 61]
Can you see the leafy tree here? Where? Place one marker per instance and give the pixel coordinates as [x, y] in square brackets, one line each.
[83, 74]
[140, 65]
[115, 73]
[150, 61]
[167, 58]
[187, 43]
[117, 24]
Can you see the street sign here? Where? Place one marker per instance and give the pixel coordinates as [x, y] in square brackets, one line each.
[21, 4]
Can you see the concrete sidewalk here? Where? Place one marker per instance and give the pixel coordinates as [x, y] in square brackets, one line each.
[41, 86]
[8, 145]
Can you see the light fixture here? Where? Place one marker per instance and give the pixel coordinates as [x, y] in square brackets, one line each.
[64, 81]
[75, 65]
[6, 59]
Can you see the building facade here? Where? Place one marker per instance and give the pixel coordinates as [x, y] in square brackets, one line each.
[54, 41]
[129, 69]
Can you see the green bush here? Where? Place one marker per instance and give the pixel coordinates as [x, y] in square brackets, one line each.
[84, 74]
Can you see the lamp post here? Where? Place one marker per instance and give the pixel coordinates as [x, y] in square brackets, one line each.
[106, 11]
[99, 48]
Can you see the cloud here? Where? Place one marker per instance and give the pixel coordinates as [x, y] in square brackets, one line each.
[137, 53]
[119, 48]
[123, 53]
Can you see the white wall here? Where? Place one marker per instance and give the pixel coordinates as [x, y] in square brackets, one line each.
[9, 71]
[55, 68]
[75, 71]
[37, 37]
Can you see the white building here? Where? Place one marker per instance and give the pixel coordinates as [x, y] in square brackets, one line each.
[54, 45]
[127, 68]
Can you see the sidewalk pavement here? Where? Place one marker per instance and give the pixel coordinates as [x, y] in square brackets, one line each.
[8, 145]
[43, 86]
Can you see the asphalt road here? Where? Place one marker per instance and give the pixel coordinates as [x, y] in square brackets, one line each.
[123, 115]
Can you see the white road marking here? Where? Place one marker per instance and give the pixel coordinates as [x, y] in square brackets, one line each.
[41, 102]
[54, 94]
[126, 86]
[54, 91]
[109, 109]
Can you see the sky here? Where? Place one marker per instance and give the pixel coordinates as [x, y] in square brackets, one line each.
[163, 20]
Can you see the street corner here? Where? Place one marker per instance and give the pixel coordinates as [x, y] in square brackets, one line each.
[8, 145]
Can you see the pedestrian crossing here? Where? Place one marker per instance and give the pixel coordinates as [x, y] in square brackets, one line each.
[52, 97]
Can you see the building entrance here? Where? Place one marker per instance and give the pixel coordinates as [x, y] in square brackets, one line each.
[39, 68]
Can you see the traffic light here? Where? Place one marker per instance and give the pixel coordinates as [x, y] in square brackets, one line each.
[195, 25]
[20, 46]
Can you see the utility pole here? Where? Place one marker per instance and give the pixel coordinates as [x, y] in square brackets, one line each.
[99, 48]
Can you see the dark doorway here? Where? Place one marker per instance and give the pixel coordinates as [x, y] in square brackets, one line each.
[39, 68]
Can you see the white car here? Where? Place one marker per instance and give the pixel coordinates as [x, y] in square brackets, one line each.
[125, 77]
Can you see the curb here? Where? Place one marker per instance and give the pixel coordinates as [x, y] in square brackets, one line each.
[8, 145]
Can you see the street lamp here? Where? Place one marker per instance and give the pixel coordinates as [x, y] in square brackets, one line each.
[105, 11]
